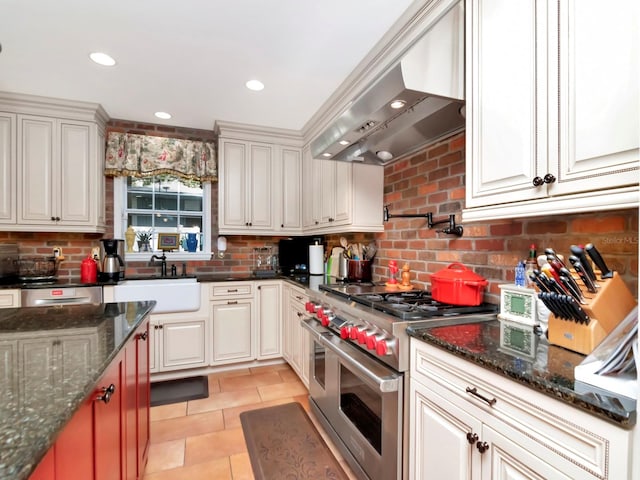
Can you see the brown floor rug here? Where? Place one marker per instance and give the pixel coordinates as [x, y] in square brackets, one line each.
[283, 444]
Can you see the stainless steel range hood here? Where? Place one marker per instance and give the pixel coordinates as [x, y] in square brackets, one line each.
[428, 83]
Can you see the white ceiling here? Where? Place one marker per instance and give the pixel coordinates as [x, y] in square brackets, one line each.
[191, 57]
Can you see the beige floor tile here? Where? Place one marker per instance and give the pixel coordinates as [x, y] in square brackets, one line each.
[222, 400]
[280, 390]
[166, 455]
[232, 415]
[231, 384]
[288, 375]
[229, 373]
[214, 386]
[216, 469]
[268, 368]
[241, 467]
[214, 445]
[303, 400]
[173, 410]
[186, 426]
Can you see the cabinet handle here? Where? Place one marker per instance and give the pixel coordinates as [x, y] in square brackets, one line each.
[232, 290]
[106, 393]
[548, 178]
[246, 224]
[55, 219]
[259, 287]
[282, 225]
[537, 181]
[155, 327]
[474, 391]
[232, 302]
[298, 297]
[160, 326]
[143, 336]
[317, 222]
[472, 438]
[482, 446]
[330, 219]
[300, 314]
[250, 224]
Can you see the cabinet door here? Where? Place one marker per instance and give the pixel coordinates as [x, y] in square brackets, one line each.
[39, 360]
[108, 424]
[8, 173]
[291, 203]
[599, 96]
[154, 345]
[144, 396]
[506, 106]
[74, 447]
[76, 352]
[270, 321]
[506, 460]
[9, 391]
[183, 344]
[37, 174]
[439, 431]
[259, 190]
[9, 298]
[232, 331]
[77, 187]
[233, 184]
[343, 193]
[328, 176]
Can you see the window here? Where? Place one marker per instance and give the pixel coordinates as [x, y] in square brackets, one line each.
[164, 204]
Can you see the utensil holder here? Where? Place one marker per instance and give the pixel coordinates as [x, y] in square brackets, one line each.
[359, 270]
[606, 309]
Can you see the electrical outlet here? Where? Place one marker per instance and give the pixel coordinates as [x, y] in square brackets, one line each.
[57, 253]
[95, 253]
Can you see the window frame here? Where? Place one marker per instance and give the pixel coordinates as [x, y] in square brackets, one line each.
[120, 220]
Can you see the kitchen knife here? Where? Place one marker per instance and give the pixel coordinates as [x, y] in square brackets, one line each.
[533, 276]
[598, 260]
[573, 291]
[577, 266]
[565, 272]
[550, 252]
[551, 305]
[579, 314]
[584, 261]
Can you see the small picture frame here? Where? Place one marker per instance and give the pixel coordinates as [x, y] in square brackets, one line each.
[168, 241]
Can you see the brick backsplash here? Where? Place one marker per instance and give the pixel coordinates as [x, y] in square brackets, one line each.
[430, 181]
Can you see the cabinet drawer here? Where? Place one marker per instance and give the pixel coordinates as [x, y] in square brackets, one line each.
[574, 440]
[9, 298]
[233, 289]
[298, 295]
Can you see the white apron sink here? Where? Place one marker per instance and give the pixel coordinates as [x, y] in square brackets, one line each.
[171, 294]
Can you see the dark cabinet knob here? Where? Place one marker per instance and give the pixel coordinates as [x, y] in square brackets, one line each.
[143, 336]
[472, 438]
[107, 392]
[482, 446]
[282, 225]
[537, 181]
[548, 178]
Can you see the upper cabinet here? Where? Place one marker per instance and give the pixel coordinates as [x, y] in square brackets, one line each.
[552, 114]
[51, 158]
[259, 180]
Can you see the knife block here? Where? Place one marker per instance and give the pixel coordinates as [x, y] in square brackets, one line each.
[606, 309]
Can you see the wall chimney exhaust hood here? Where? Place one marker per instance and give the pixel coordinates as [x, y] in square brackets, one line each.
[418, 101]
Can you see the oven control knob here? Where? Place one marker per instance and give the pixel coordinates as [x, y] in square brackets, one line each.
[353, 332]
[319, 312]
[372, 340]
[382, 348]
[363, 335]
[326, 319]
[345, 332]
[310, 307]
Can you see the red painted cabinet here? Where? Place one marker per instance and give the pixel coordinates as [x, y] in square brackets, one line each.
[108, 437]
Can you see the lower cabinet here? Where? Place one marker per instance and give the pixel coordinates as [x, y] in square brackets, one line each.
[9, 298]
[506, 431]
[233, 326]
[108, 437]
[269, 322]
[177, 342]
[296, 340]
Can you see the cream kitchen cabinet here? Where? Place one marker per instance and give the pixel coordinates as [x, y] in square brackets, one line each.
[552, 115]
[9, 298]
[8, 196]
[340, 196]
[296, 340]
[269, 324]
[233, 323]
[58, 151]
[260, 177]
[501, 429]
[178, 342]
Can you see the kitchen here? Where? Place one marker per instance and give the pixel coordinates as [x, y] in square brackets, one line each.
[411, 185]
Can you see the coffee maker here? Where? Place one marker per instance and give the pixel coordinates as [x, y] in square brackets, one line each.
[112, 264]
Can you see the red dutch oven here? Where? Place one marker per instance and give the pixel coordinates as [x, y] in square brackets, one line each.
[458, 285]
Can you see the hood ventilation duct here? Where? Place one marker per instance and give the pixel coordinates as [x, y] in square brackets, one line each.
[416, 102]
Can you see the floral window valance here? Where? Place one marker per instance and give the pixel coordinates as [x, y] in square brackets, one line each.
[131, 155]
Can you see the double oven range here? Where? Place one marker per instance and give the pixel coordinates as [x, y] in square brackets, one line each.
[359, 366]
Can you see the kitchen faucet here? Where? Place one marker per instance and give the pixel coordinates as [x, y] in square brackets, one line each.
[163, 265]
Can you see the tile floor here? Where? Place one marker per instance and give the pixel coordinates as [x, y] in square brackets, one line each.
[203, 439]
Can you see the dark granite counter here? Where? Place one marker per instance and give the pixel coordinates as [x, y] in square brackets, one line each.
[45, 379]
[548, 370]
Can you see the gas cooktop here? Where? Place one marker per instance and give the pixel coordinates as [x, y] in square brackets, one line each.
[405, 305]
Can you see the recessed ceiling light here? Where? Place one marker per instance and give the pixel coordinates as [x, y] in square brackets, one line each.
[255, 85]
[326, 154]
[384, 155]
[397, 104]
[343, 142]
[102, 59]
[163, 115]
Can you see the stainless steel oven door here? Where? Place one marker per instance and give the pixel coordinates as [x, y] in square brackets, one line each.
[361, 399]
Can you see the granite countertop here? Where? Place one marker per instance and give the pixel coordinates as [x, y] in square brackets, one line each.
[37, 399]
[548, 370]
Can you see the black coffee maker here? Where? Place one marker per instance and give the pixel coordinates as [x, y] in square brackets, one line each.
[112, 266]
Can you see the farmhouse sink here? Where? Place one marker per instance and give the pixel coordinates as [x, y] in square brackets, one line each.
[171, 294]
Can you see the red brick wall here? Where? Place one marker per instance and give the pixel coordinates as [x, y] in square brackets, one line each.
[432, 180]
